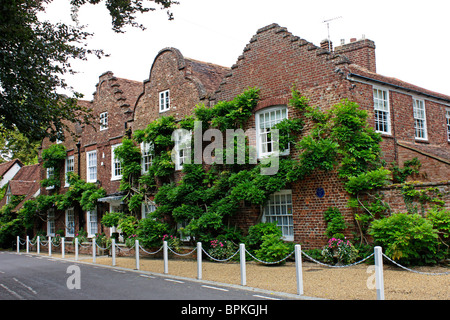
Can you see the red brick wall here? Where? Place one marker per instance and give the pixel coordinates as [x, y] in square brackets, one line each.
[274, 61]
[171, 71]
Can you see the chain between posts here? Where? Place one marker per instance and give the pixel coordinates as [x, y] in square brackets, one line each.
[220, 260]
[45, 243]
[181, 254]
[331, 266]
[419, 272]
[151, 252]
[266, 262]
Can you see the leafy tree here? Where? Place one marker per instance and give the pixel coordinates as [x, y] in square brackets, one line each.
[15, 145]
[124, 12]
[34, 57]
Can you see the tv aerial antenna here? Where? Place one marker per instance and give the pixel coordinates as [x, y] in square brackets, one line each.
[328, 29]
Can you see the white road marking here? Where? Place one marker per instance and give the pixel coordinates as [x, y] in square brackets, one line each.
[264, 297]
[23, 284]
[214, 288]
[146, 276]
[171, 280]
[18, 296]
[119, 271]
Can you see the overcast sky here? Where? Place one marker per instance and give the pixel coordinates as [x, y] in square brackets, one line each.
[412, 39]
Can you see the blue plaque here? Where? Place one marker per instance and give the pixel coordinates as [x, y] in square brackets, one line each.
[320, 192]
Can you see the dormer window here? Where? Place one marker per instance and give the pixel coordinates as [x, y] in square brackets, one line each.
[164, 101]
[103, 121]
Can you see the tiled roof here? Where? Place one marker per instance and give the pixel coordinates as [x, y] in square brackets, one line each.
[356, 70]
[209, 74]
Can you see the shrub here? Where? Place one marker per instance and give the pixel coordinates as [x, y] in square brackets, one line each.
[130, 241]
[408, 238]
[339, 251]
[112, 219]
[81, 235]
[150, 231]
[257, 232]
[128, 225]
[221, 249]
[173, 242]
[273, 249]
[440, 218]
[335, 223]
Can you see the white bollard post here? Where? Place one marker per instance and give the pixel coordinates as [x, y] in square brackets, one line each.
[166, 258]
[298, 269]
[137, 253]
[28, 244]
[199, 260]
[379, 282]
[63, 249]
[243, 271]
[38, 244]
[49, 246]
[93, 250]
[76, 249]
[18, 244]
[113, 252]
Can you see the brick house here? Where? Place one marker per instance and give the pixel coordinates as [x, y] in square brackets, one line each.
[90, 153]
[414, 122]
[175, 85]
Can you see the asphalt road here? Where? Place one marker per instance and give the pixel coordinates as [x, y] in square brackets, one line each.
[32, 277]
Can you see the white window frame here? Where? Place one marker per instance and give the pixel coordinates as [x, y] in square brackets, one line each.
[278, 113]
[447, 116]
[91, 222]
[275, 210]
[147, 156]
[420, 119]
[70, 222]
[147, 208]
[381, 106]
[164, 101]
[91, 166]
[69, 167]
[51, 226]
[50, 175]
[116, 166]
[103, 121]
[182, 148]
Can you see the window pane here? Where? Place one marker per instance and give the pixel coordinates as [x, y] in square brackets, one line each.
[279, 209]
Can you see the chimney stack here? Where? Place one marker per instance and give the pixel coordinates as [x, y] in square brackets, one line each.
[327, 45]
[360, 52]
